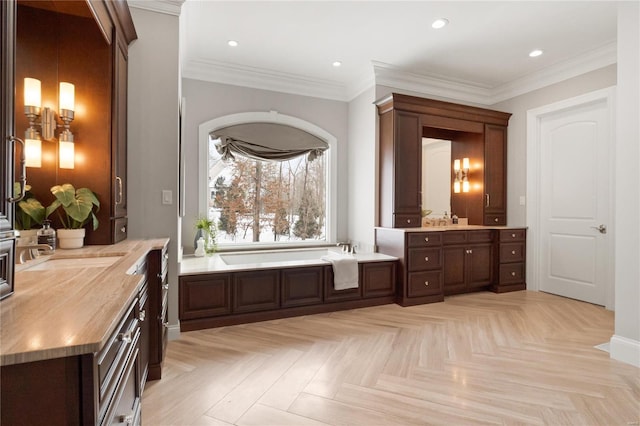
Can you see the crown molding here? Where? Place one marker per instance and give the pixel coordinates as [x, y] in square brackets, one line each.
[258, 78]
[168, 7]
[595, 59]
[394, 77]
[431, 84]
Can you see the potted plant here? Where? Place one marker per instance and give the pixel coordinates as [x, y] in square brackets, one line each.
[30, 214]
[78, 206]
[206, 229]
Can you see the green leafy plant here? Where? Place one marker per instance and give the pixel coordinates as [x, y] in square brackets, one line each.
[78, 206]
[30, 213]
[208, 231]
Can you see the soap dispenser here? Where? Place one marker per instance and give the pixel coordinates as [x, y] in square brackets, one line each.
[47, 235]
[200, 247]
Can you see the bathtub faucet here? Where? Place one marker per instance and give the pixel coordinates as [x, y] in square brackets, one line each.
[346, 247]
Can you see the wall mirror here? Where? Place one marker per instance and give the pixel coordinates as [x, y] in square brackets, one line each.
[436, 176]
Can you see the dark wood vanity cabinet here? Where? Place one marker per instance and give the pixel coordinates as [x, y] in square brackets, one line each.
[476, 133]
[511, 249]
[157, 270]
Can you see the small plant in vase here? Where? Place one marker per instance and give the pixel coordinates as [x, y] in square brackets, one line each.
[79, 207]
[206, 229]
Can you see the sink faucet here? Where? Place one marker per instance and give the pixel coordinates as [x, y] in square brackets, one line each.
[347, 247]
[29, 252]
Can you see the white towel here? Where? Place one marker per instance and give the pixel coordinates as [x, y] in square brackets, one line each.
[345, 271]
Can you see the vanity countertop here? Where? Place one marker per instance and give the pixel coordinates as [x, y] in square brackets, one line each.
[73, 308]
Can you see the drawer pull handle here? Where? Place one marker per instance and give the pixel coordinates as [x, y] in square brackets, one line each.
[125, 337]
[142, 316]
[426, 283]
[513, 252]
[126, 419]
[426, 258]
[426, 239]
[513, 274]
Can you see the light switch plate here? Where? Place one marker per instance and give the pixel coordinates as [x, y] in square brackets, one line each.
[167, 196]
[522, 200]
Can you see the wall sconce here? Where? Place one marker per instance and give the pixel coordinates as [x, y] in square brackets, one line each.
[462, 175]
[34, 111]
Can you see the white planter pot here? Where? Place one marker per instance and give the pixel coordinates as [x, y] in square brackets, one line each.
[70, 238]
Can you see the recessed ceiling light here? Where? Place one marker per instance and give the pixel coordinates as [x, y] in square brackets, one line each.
[535, 53]
[440, 23]
[337, 64]
[232, 43]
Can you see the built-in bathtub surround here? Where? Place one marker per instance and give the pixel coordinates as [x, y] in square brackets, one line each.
[233, 288]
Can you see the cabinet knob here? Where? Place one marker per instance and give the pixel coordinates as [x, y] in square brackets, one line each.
[142, 316]
[126, 419]
[426, 258]
[513, 274]
[496, 220]
[408, 220]
[123, 229]
[513, 252]
[426, 239]
[513, 235]
[125, 337]
[165, 286]
[426, 283]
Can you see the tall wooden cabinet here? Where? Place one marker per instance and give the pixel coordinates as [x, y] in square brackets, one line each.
[85, 43]
[7, 238]
[477, 133]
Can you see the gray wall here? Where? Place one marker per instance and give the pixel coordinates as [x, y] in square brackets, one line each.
[153, 135]
[205, 101]
[625, 344]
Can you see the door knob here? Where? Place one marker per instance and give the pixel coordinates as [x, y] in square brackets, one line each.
[602, 228]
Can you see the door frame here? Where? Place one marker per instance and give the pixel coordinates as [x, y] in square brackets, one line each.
[534, 121]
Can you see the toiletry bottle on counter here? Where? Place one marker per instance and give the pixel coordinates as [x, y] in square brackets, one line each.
[46, 235]
[454, 219]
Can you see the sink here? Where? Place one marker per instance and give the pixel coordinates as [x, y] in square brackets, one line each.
[76, 262]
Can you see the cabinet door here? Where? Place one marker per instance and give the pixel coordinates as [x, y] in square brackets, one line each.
[479, 265]
[204, 296]
[408, 163]
[302, 286]
[256, 291]
[119, 129]
[495, 166]
[454, 269]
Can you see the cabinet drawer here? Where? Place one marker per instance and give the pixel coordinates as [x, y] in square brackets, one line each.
[7, 262]
[454, 237]
[422, 259]
[424, 239]
[511, 273]
[424, 283]
[407, 221]
[511, 252]
[495, 219]
[112, 358]
[512, 235]
[119, 230]
[480, 236]
[125, 407]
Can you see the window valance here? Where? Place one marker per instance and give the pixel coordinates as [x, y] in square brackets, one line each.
[267, 141]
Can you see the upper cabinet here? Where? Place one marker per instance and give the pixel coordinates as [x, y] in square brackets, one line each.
[84, 43]
[476, 134]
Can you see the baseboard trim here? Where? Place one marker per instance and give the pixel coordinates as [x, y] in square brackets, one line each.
[174, 332]
[625, 350]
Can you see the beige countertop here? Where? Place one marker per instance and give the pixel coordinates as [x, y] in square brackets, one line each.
[449, 228]
[73, 308]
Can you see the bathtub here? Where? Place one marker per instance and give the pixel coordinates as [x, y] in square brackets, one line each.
[276, 256]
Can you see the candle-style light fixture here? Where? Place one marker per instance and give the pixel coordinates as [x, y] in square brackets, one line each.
[45, 118]
[461, 180]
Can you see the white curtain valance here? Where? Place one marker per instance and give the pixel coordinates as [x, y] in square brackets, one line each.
[267, 141]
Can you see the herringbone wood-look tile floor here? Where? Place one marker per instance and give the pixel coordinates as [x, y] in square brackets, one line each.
[483, 358]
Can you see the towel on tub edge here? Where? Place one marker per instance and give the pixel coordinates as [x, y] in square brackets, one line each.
[345, 271]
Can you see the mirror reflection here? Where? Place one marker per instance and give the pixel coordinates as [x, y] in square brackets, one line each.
[436, 176]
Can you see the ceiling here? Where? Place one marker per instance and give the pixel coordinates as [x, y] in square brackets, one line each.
[290, 46]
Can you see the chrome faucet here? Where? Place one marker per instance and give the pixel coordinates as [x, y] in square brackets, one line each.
[347, 247]
[30, 252]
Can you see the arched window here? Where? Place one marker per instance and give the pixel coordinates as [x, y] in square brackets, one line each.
[267, 179]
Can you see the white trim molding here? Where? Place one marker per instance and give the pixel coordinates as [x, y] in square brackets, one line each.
[168, 7]
[534, 118]
[207, 127]
[625, 350]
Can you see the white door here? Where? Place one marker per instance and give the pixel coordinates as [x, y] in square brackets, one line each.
[574, 201]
